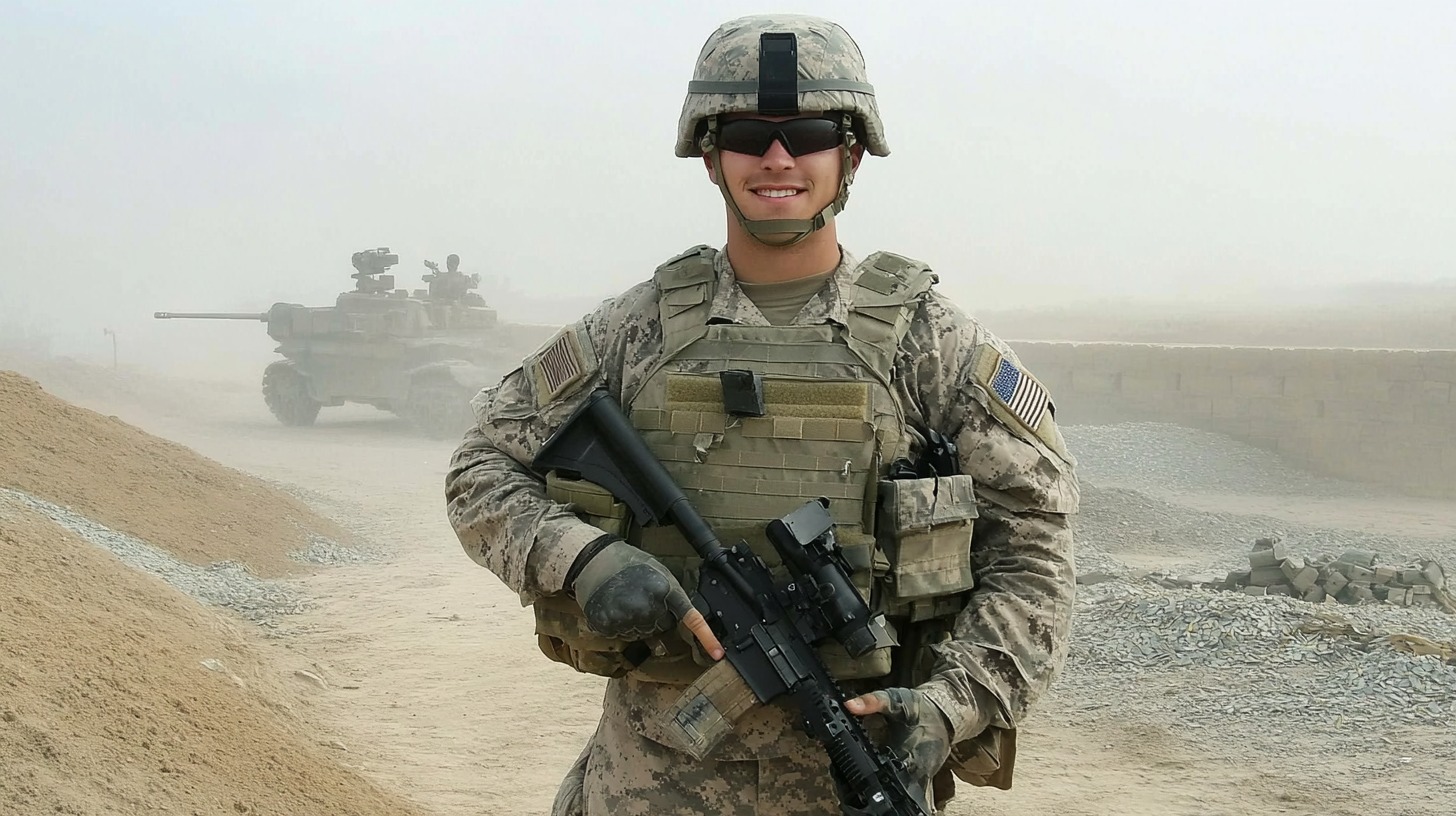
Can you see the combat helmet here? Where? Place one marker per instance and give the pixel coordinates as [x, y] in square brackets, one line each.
[781, 65]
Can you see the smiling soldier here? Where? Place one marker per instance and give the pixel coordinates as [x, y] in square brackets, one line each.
[951, 487]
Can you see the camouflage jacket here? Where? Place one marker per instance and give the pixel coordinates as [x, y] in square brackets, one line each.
[1012, 637]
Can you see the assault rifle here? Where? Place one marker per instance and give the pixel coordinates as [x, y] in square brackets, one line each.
[768, 630]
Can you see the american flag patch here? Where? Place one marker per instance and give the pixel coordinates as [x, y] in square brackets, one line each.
[562, 363]
[559, 364]
[1022, 394]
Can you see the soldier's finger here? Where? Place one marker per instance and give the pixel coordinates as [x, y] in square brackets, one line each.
[698, 625]
[867, 704]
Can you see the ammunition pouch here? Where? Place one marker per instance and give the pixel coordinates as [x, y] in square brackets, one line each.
[926, 528]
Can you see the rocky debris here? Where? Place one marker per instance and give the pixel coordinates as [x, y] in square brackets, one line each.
[1261, 656]
[1354, 577]
[223, 583]
[326, 552]
[1155, 638]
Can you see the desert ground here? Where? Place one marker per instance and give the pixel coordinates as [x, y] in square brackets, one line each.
[375, 669]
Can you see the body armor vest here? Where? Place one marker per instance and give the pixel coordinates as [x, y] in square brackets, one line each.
[831, 426]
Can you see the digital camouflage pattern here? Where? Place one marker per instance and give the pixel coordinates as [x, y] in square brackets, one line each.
[826, 51]
[1006, 645]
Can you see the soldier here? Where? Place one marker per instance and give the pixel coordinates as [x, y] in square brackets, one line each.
[864, 367]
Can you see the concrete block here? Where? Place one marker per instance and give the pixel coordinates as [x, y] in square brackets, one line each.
[1363, 558]
[1268, 558]
[1095, 382]
[1361, 575]
[1258, 385]
[1422, 590]
[1399, 597]
[1434, 574]
[1236, 579]
[1315, 594]
[1256, 591]
[1142, 383]
[1356, 593]
[1422, 392]
[1267, 576]
[1292, 566]
[1206, 385]
[1305, 580]
[1383, 575]
[1412, 577]
[1281, 589]
[1312, 388]
[1194, 406]
[1334, 581]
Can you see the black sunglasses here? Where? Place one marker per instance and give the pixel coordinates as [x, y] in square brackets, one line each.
[799, 137]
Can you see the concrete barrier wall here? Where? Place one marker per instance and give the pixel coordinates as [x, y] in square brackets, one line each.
[1386, 416]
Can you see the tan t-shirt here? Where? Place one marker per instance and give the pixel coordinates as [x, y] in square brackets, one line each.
[782, 301]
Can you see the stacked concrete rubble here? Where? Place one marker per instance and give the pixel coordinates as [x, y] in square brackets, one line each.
[1355, 577]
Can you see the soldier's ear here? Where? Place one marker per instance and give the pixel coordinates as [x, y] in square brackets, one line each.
[708, 163]
[856, 155]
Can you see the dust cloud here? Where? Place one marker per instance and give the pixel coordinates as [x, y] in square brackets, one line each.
[223, 158]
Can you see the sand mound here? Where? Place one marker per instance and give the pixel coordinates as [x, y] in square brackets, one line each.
[155, 490]
[106, 705]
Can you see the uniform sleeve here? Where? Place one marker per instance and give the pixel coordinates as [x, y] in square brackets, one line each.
[494, 500]
[1012, 638]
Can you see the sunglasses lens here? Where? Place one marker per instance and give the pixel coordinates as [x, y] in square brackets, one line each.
[799, 136]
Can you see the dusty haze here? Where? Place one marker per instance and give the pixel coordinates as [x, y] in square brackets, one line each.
[162, 156]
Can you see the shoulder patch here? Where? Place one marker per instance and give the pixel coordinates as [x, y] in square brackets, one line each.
[1019, 392]
[1019, 400]
[566, 362]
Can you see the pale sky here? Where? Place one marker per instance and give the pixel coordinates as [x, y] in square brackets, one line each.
[187, 156]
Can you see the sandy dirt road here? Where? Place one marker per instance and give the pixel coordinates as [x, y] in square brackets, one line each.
[437, 691]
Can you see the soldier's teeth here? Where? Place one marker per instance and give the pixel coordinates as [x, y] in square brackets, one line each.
[778, 193]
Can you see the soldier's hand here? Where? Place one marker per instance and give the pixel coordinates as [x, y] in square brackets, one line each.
[919, 731]
[628, 594]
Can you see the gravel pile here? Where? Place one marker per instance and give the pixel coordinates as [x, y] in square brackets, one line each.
[329, 553]
[1159, 457]
[1253, 669]
[224, 583]
[1283, 655]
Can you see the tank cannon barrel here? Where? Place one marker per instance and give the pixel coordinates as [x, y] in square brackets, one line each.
[211, 316]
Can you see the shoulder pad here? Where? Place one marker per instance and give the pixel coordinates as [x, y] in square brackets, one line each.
[688, 268]
[882, 301]
[565, 364]
[1018, 399]
[894, 276]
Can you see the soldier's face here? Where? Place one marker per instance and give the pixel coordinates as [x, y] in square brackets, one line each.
[778, 184]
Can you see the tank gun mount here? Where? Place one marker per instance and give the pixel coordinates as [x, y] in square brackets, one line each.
[372, 266]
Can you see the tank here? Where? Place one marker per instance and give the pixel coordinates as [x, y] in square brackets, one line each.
[421, 354]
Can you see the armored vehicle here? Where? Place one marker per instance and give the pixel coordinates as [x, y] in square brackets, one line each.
[420, 354]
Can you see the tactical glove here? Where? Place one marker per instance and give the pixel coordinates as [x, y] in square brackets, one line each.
[919, 732]
[625, 592]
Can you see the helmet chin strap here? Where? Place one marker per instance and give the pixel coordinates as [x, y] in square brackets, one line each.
[796, 229]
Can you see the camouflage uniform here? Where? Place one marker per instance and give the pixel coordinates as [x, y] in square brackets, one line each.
[1004, 647]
